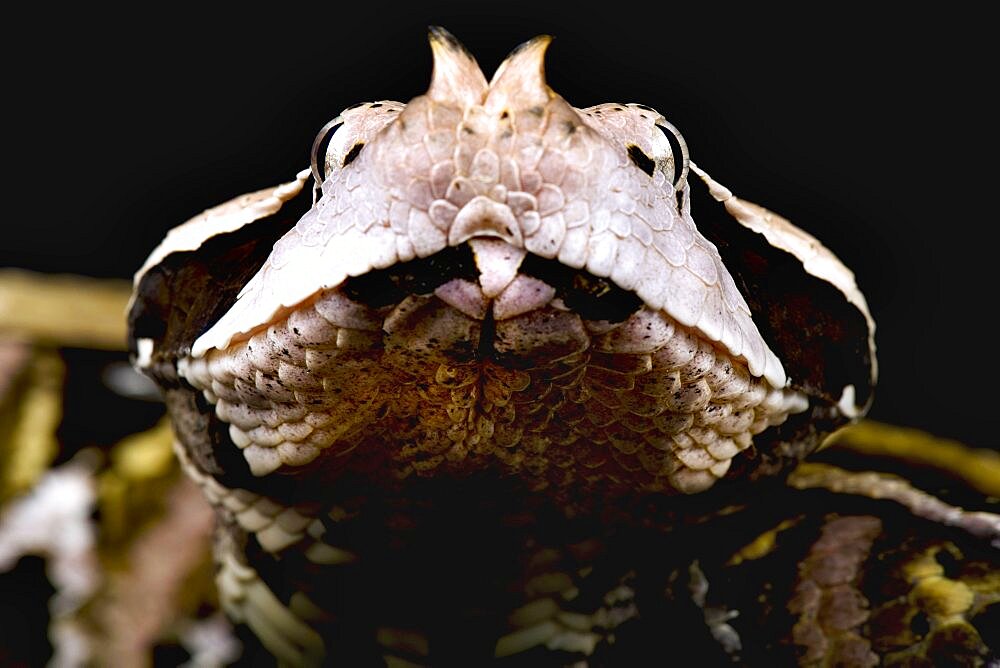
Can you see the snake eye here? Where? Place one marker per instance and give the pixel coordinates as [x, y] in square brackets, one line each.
[319, 147]
[678, 148]
[340, 141]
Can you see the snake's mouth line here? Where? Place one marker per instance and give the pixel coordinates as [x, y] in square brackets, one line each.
[489, 276]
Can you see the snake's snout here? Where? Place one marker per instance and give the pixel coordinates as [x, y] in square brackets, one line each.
[483, 216]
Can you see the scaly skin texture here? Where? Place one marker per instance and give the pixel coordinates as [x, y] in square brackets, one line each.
[646, 405]
[495, 396]
[518, 163]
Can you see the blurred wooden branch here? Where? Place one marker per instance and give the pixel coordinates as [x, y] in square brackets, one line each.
[64, 310]
[978, 467]
[30, 410]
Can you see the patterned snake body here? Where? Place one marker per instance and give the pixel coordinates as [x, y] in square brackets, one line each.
[455, 408]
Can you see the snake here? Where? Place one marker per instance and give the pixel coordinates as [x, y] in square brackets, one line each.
[476, 389]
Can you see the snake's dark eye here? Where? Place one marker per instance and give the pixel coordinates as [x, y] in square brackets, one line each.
[353, 153]
[640, 159]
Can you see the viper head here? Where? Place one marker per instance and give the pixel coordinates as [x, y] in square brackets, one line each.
[493, 224]
[509, 159]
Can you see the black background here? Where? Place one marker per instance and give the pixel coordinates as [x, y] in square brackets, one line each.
[873, 132]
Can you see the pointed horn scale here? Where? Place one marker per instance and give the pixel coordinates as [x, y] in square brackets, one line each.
[456, 77]
[520, 80]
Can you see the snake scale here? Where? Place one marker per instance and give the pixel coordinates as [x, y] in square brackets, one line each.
[491, 395]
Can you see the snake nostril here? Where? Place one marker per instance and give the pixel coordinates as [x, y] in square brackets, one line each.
[483, 217]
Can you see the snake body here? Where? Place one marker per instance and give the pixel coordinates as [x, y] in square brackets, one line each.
[472, 403]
